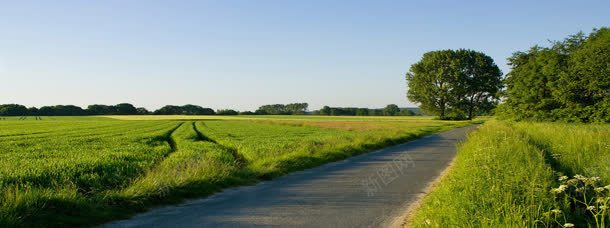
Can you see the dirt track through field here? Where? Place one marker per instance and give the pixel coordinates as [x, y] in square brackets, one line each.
[370, 190]
[239, 159]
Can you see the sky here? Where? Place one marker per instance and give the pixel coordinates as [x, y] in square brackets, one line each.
[242, 54]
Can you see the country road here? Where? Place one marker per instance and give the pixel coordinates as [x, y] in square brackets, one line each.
[370, 190]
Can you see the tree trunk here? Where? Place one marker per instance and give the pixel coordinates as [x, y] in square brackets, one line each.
[442, 107]
[471, 107]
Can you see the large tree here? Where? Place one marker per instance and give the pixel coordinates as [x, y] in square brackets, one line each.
[455, 84]
[480, 80]
[589, 73]
[430, 81]
[531, 84]
[568, 81]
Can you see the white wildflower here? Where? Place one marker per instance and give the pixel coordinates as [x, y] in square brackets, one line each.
[591, 208]
[607, 187]
[560, 189]
[568, 225]
[563, 178]
[556, 211]
[602, 207]
[599, 190]
[596, 179]
[580, 177]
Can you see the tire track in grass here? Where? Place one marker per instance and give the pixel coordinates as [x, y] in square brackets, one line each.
[171, 141]
[239, 159]
[173, 147]
[167, 137]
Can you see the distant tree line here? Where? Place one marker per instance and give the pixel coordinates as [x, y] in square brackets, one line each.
[389, 110]
[57, 110]
[189, 109]
[281, 109]
[229, 112]
[568, 81]
[119, 109]
[98, 109]
[129, 109]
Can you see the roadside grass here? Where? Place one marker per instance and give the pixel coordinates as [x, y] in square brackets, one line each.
[84, 172]
[578, 148]
[497, 179]
[506, 175]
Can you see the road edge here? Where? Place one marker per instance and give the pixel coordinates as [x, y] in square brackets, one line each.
[406, 219]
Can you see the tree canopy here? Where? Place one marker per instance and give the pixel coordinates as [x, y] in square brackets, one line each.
[99, 109]
[568, 81]
[281, 109]
[119, 109]
[389, 110]
[227, 112]
[13, 110]
[61, 110]
[455, 84]
[188, 109]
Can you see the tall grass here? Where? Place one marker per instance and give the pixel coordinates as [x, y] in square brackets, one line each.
[578, 148]
[497, 179]
[506, 173]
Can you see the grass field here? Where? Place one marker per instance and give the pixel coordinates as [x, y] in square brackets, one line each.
[69, 171]
[525, 175]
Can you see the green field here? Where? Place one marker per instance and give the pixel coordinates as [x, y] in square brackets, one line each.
[510, 175]
[66, 171]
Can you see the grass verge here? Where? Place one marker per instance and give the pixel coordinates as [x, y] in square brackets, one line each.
[506, 174]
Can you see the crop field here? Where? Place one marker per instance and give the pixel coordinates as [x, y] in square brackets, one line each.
[525, 175]
[66, 171]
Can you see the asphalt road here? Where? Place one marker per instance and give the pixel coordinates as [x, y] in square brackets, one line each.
[370, 190]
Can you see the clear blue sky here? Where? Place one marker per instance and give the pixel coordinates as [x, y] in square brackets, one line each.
[243, 54]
